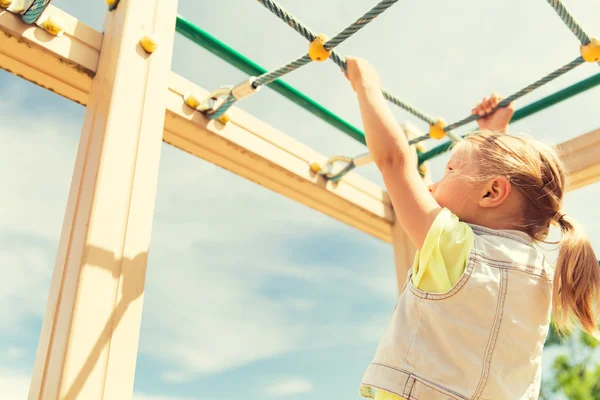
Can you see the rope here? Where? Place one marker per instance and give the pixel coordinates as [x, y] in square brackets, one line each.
[564, 13]
[223, 108]
[359, 23]
[346, 33]
[383, 5]
[288, 19]
[551, 76]
[408, 107]
[264, 79]
[34, 11]
[568, 19]
[269, 77]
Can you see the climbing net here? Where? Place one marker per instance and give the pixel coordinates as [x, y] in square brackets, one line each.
[321, 48]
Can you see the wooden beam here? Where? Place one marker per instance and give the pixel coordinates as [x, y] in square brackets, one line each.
[582, 159]
[64, 65]
[246, 146]
[89, 340]
[260, 153]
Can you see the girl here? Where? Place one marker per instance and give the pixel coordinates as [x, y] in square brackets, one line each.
[472, 319]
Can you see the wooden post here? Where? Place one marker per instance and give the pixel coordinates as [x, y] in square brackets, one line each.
[89, 339]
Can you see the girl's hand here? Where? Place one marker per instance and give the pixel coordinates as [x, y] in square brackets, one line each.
[362, 74]
[498, 121]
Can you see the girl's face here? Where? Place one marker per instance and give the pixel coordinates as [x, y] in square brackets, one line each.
[459, 190]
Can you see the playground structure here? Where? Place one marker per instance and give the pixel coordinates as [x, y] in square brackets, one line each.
[89, 339]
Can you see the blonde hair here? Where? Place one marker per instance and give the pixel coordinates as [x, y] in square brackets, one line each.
[536, 172]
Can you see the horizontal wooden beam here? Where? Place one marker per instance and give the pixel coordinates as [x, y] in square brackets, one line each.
[581, 156]
[258, 152]
[64, 65]
[245, 146]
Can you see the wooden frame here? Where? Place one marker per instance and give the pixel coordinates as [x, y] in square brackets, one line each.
[89, 340]
[582, 159]
[246, 146]
[74, 358]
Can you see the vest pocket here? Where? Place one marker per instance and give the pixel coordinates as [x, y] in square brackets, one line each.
[455, 289]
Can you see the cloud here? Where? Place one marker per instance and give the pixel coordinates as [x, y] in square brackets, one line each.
[289, 387]
[14, 384]
[37, 160]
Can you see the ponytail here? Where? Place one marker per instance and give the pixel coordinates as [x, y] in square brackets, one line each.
[576, 279]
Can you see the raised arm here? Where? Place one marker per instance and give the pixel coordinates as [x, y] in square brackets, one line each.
[414, 205]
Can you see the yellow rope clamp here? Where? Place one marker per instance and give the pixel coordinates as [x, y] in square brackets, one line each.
[149, 42]
[111, 3]
[436, 131]
[591, 51]
[315, 167]
[5, 3]
[192, 100]
[316, 48]
[53, 26]
[224, 119]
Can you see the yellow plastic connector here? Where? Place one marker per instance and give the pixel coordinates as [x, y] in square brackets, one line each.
[53, 26]
[111, 3]
[5, 3]
[224, 119]
[315, 167]
[149, 43]
[316, 48]
[191, 100]
[436, 131]
[591, 51]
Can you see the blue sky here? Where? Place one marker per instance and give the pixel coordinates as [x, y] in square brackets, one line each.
[249, 294]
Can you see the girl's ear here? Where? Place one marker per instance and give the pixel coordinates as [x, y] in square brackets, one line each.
[495, 192]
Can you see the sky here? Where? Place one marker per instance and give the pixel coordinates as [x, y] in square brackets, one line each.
[249, 294]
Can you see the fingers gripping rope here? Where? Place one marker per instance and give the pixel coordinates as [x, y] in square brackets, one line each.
[321, 48]
[339, 38]
[438, 126]
[551, 76]
[337, 59]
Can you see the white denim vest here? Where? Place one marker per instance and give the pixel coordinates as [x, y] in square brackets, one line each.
[483, 339]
